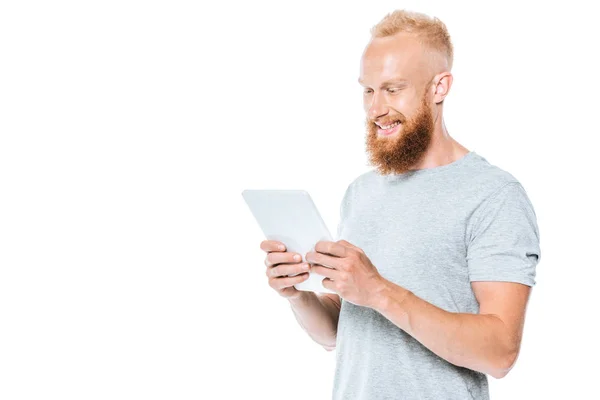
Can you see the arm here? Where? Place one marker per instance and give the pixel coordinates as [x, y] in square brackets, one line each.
[488, 342]
[503, 250]
[318, 315]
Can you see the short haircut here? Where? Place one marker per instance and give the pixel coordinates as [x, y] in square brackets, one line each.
[430, 31]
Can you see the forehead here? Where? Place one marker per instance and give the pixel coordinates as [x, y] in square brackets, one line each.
[399, 56]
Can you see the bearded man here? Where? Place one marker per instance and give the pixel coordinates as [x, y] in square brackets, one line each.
[437, 247]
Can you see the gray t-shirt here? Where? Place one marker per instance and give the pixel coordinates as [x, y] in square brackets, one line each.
[431, 231]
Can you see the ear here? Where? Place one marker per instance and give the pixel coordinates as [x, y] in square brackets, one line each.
[441, 84]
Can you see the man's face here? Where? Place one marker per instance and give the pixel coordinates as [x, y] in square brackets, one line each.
[395, 76]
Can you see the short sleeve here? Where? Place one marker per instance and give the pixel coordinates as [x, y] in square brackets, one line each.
[503, 240]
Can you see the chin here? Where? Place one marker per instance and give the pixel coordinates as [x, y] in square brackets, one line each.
[389, 136]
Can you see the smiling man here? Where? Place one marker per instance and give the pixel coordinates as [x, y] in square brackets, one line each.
[405, 72]
[438, 248]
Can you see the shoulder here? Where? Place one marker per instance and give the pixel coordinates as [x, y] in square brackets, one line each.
[499, 194]
[361, 181]
[488, 184]
[488, 178]
[365, 181]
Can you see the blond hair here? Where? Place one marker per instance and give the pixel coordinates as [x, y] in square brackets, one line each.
[430, 31]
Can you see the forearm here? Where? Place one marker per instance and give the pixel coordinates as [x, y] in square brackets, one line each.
[473, 341]
[317, 317]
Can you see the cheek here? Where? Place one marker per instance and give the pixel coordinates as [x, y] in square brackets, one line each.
[400, 105]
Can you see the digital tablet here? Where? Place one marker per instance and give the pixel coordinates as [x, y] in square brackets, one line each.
[290, 217]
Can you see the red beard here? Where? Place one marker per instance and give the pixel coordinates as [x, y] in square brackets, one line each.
[405, 148]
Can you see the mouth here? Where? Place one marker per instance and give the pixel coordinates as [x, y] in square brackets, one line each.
[387, 130]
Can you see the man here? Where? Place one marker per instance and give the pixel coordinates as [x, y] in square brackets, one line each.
[439, 247]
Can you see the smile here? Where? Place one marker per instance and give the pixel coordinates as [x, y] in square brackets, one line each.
[391, 129]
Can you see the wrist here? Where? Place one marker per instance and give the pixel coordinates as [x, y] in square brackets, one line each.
[388, 294]
[301, 298]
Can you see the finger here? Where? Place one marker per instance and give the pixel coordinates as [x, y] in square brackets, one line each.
[329, 284]
[287, 269]
[346, 243]
[323, 259]
[332, 248]
[280, 258]
[282, 283]
[272, 245]
[326, 272]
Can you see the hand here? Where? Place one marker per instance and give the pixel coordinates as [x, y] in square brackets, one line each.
[280, 263]
[352, 275]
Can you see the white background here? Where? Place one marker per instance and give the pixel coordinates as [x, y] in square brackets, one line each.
[130, 266]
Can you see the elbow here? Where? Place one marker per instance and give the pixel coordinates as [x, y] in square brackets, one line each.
[329, 342]
[504, 366]
[500, 373]
[331, 345]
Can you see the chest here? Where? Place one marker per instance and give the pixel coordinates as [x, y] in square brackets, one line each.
[417, 241]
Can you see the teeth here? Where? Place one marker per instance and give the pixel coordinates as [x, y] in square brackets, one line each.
[391, 126]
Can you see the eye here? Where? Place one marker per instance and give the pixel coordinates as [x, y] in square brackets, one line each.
[367, 91]
[393, 90]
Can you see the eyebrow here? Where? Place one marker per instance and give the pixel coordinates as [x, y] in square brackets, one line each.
[389, 82]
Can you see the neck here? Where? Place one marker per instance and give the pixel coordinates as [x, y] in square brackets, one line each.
[443, 149]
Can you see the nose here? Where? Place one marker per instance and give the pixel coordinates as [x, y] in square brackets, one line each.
[377, 108]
